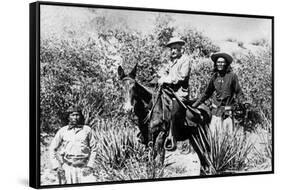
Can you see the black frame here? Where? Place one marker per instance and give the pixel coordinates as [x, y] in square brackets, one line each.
[34, 90]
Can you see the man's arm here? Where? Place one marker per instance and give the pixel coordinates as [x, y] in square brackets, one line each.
[55, 144]
[93, 148]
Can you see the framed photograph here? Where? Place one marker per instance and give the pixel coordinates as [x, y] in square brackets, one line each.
[122, 94]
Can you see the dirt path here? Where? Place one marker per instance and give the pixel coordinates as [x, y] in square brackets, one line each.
[183, 163]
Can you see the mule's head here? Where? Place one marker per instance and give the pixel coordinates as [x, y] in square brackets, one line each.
[128, 84]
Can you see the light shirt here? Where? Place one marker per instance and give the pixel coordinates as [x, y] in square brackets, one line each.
[74, 145]
[176, 71]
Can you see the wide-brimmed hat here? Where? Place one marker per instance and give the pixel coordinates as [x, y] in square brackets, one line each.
[175, 40]
[226, 56]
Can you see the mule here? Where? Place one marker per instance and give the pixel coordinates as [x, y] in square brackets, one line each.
[137, 99]
[161, 118]
[171, 121]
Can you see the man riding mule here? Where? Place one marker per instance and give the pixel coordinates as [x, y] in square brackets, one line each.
[182, 118]
[166, 116]
[154, 116]
[176, 78]
[177, 73]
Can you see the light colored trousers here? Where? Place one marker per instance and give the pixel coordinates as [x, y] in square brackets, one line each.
[75, 175]
[221, 126]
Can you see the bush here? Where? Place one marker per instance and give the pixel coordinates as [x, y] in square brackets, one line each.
[197, 43]
[260, 42]
[255, 77]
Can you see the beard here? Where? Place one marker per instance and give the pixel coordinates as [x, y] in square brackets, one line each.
[221, 68]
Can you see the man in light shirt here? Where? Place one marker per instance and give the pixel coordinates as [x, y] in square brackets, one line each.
[73, 150]
[177, 73]
[176, 76]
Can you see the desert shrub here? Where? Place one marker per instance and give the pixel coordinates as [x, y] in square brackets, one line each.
[200, 76]
[197, 42]
[260, 42]
[240, 44]
[72, 73]
[255, 77]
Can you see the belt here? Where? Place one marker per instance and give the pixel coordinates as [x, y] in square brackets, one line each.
[79, 163]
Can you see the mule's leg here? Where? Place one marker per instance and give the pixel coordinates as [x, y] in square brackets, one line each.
[159, 147]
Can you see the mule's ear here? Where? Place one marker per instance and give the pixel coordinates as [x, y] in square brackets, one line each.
[133, 72]
[121, 72]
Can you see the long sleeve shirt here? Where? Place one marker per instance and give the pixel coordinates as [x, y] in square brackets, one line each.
[177, 72]
[74, 145]
[225, 88]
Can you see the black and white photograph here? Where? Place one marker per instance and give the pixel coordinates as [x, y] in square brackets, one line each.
[139, 94]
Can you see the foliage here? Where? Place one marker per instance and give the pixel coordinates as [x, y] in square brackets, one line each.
[200, 76]
[260, 42]
[255, 77]
[240, 44]
[197, 43]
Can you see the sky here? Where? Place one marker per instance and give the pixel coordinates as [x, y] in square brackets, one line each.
[217, 28]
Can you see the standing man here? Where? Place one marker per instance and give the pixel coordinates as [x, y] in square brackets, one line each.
[176, 74]
[226, 87]
[73, 150]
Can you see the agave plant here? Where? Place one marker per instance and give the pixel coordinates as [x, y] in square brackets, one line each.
[227, 152]
[263, 148]
[120, 156]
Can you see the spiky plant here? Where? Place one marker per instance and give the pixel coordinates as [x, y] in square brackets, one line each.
[120, 155]
[227, 152]
[262, 157]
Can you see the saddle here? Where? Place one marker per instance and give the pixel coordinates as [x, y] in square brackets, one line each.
[194, 117]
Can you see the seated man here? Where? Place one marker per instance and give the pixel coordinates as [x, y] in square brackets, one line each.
[177, 73]
[176, 76]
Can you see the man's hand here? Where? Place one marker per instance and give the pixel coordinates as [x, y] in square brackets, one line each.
[61, 175]
[181, 94]
[165, 79]
[87, 171]
[196, 104]
[58, 170]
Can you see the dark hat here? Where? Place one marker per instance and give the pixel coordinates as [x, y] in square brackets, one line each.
[72, 109]
[175, 40]
[226, 56]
